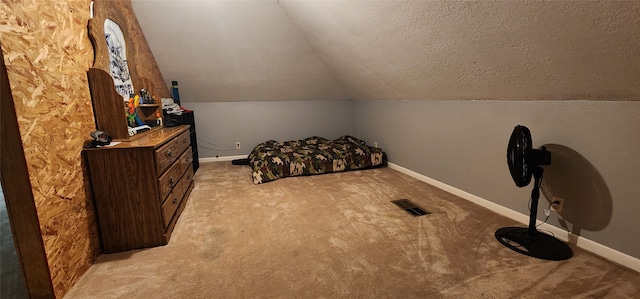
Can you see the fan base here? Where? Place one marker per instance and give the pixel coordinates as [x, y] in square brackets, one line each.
[537, 244]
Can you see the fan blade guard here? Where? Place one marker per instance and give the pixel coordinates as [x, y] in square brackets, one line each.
[517, 150]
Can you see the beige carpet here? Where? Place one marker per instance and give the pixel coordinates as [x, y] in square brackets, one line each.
[338, 236]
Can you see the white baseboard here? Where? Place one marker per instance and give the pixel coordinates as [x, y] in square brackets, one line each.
[584, 243]
[219, 159]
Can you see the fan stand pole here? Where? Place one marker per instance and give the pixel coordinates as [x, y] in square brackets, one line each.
[535, 195]
[529, 241]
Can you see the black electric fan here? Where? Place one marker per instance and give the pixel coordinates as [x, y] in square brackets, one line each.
[524, 162]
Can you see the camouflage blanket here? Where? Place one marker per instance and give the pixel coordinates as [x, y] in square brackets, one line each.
[272, 160]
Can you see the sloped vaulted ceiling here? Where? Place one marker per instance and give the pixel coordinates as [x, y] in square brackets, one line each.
[234, 51]
[305, 50]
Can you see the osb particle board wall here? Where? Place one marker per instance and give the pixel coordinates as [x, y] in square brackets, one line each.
[47, 53]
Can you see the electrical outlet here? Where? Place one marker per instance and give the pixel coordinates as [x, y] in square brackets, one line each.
[557, 207]
[375, 144]
[237, 144]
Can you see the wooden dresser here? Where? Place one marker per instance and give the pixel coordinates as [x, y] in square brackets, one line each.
[140, 187]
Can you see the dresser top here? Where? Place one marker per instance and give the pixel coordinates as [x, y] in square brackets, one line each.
[153, 138]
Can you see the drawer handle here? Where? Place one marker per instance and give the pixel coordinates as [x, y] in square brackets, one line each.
[188, 160]
[171, 182]
[175, 201]
[170, 153]
[184, 140]
[188, 177]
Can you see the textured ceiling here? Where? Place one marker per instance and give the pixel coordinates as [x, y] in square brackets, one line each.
[306, 50]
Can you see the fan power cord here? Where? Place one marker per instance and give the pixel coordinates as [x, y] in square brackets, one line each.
[547, 212]
[213, 144]
[215, 147]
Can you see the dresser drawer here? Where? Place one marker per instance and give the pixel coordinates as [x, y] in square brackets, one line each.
[170, 205]
[183, 141]
[170, 152]
[187, 178]
[186, 159]
[176, 196]
[169, 180]
[166, 155]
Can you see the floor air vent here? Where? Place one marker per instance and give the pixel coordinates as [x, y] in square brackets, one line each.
[410, 207]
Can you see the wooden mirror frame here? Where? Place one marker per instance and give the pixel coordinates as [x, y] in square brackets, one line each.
[108, 104]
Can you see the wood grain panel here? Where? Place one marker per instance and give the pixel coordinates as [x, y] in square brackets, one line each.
[108, 105]
[142, 64]
[103, 10]
[170, 205]
[142, 56]
[129, 191]
[166, 155]
[174, 220]
[187, 178]
[169, 180]
[123, 182]
[47, 53]
[19, 198]
[186, 159]
[184, 141]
